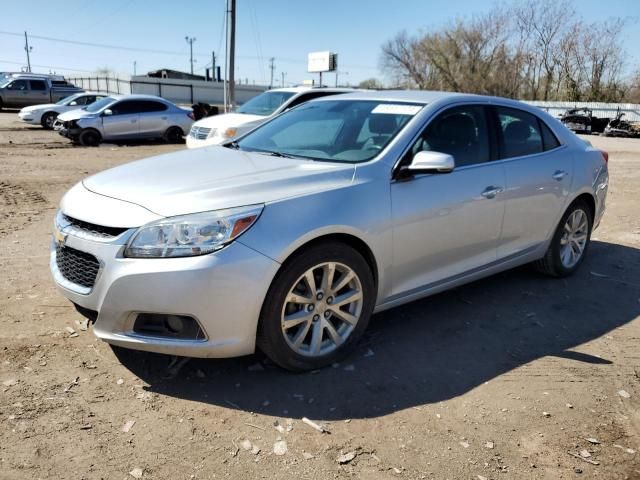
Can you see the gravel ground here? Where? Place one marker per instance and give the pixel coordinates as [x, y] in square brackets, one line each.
[503, 378]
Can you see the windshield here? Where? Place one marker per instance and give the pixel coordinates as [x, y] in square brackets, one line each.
[99, 104]
[5, 81]
[69, 99]
[265, 104]
[333, 130]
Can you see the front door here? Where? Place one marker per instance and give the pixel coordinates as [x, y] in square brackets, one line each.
[122, 124]
[447, 224]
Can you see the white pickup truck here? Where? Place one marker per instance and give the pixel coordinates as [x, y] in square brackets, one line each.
[47, 113]
[22, 90]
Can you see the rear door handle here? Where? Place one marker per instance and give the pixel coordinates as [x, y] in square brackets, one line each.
[559, 174]
[491, 192]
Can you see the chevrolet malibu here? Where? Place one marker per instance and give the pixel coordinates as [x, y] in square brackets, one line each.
[289, 238]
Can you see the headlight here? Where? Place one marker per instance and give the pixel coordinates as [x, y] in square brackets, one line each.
[191, 235]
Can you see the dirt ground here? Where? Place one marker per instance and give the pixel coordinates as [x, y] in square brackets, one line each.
[506, 378]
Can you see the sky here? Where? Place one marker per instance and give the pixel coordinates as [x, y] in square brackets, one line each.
[152, 33]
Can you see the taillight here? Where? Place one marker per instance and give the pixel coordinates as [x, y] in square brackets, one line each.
[605, 155]
[191, 116]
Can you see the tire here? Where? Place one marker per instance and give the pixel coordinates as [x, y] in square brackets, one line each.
[48, 120]
[173, 135]
[89, 138]
[294, 348]
[555, 261]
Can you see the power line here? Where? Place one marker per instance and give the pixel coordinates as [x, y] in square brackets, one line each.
[11, 62]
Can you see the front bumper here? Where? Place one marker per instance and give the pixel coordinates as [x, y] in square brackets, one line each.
[223, 291]
[197, 143]
[28, 117]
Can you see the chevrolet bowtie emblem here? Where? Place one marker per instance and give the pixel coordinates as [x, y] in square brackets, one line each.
[60, 237]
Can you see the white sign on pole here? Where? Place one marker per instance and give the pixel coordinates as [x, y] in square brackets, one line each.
[321, 62]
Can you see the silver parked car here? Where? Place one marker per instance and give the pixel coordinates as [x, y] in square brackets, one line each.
[292, 236]
[121, 118]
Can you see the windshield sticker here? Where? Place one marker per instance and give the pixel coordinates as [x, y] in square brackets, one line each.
[397, 109]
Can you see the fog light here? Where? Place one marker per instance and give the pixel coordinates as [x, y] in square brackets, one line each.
[180, 327]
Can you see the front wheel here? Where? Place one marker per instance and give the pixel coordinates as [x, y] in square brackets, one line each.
[569, 243]
[89, 138]
[48, 119]
[317, 308]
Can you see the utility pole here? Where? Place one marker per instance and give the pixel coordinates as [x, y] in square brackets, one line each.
[190, 41]
[272, 67]
[27, 49]
[213, 66]
[283, 75]
[135, 69]
[231, 54]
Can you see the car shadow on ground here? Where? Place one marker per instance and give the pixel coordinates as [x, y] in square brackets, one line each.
[429, 350]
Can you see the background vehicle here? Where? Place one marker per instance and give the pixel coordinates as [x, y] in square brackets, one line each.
[622, 128]
[291, 236]
[220, 128]
[46, 114]
[23, 90]
[581, 120]
[122, 118]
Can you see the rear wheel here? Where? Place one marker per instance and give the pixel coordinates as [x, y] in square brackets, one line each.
[317, 308]
[174, 135]
[569, 243]
[89, 138]
[48, 119]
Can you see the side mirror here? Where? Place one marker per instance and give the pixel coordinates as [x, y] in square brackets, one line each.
[73, 104]
[108, 112]
[428, 162]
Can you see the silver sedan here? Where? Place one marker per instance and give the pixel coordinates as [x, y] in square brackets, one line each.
[289, 238]
[125, 118]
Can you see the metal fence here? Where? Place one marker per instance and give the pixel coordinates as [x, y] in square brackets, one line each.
[600, 110]
[174, 90]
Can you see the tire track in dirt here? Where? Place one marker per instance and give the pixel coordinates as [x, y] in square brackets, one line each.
[19, 206]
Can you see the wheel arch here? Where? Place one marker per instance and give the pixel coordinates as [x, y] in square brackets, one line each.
[589, 199]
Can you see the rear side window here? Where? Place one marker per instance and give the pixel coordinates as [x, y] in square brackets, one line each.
[151, 106]
[305, 97]
[520, 133]
[38, 85]
[549, 140]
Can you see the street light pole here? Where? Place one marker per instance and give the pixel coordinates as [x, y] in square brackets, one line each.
[190, 41]
[27, 49]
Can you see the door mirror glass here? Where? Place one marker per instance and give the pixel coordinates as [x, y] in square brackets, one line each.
[108, 112]
[427, 161]
[73, 104]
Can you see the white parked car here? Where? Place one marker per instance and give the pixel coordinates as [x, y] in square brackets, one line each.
[47, 113]
[220, 128]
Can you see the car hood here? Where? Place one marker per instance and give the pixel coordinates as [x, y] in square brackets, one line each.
[228, 120]
[33, 108]
[75, 115]
[214, 178]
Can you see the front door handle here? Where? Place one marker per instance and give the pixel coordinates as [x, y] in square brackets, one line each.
[491, 192]
[559, 174]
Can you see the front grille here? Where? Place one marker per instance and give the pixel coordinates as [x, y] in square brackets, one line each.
[93, 229]
[77, 267]
[199, 133]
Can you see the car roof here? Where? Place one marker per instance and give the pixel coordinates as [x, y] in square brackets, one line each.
[139, 96]
[303, 89]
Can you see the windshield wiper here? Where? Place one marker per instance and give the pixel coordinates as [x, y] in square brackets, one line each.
[275, 154]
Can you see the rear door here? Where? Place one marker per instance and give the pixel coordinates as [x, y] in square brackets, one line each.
[447, 224]
[538, 178]
[123, 123]
[153, 118]
[38, 92]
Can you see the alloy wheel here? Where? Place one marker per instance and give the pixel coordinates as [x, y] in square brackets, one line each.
[322, 309]
[574, 238]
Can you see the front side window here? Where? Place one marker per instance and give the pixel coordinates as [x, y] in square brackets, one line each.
[265, 104]
[124, 108]
[342, 131]
[460, 132]
[520, 133]
[18, 85]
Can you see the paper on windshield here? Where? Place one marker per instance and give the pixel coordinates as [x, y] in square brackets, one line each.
[397, 109]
